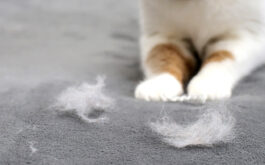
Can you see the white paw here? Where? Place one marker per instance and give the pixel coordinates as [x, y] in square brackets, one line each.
[206, 87]
[164, 87]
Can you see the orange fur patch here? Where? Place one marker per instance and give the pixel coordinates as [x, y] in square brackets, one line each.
[168, 58]
[218, 57]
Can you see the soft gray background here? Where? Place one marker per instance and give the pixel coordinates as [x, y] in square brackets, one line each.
[48, 45]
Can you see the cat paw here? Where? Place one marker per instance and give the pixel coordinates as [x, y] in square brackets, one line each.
[164, 87]
[203, 87]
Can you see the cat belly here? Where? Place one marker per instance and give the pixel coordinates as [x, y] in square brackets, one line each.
[199, 21]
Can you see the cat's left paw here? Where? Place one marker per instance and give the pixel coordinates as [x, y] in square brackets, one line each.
[206, 87]
[164, 87]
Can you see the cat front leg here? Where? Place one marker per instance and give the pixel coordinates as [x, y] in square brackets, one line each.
[167, 65]
[225, 63]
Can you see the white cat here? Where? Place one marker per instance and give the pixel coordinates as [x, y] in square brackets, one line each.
[228, 36]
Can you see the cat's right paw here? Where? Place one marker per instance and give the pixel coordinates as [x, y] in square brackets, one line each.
[164, 87]
[210, 87]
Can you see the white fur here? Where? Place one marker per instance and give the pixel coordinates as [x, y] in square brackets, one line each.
[215, 125]
[32, 148]
[84, 99]
[238, 26]
[162, 87]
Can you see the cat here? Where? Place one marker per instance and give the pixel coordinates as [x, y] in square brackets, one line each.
[228, 37]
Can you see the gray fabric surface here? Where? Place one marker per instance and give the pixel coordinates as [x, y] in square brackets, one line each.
[46, 46]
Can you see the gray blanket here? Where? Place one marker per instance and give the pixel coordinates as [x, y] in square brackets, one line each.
[46, 46]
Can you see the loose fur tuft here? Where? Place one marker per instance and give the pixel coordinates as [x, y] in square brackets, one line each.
[215, 125]
[84, 100]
